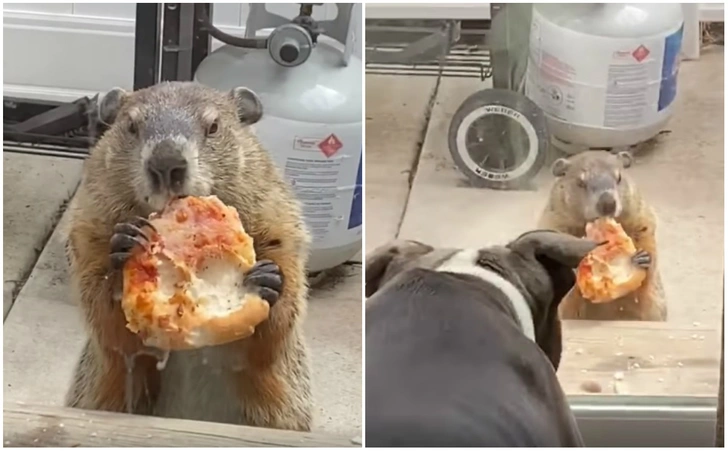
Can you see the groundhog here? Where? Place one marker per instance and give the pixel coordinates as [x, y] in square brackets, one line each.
[179, 139]
[592, 185]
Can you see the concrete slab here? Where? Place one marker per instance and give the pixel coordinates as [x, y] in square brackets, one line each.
[682, 177]
[35, 191]
[396, 119]
[334, 332]
[44, 334]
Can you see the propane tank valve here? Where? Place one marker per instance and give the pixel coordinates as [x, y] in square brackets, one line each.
[290, 45]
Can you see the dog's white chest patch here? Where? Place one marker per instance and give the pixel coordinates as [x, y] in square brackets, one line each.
[465, 262]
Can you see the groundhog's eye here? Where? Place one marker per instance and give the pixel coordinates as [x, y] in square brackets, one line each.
[619, 177]
[212, 129]
[133, 129]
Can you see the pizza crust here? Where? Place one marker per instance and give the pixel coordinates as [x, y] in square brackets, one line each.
[607, 273]
[185, 290]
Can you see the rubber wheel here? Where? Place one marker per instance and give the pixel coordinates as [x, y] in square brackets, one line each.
[521, 154]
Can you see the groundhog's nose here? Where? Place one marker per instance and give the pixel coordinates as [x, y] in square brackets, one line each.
[606, 205]
[167, 168]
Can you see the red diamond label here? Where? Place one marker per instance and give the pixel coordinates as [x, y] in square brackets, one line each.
[330, 145]
[640, 53]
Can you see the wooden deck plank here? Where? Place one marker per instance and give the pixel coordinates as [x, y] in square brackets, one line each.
[640, 358]
[27, 425]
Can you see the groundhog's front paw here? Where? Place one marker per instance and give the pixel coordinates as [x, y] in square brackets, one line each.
[265, 277]
[128, 235]
[642, 259]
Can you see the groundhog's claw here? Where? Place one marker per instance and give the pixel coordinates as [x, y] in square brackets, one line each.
[265, 276]
[642, 259]
[128, 235]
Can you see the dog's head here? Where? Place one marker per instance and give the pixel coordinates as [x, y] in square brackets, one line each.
[539, 264]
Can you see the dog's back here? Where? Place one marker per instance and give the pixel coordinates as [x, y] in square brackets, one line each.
[446, 367]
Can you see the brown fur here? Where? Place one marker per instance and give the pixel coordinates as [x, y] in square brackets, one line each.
[564, 212]
[273, 388]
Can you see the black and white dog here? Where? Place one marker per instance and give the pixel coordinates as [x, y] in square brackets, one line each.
[462, 346]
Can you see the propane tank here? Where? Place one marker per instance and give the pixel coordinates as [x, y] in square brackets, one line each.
[605, 74]
[310, 85]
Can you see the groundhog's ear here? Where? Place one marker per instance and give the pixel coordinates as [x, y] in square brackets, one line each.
[625, 158]
[560, 166]
[110, 105]
[250, 109]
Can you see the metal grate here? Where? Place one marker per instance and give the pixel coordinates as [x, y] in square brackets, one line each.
[47, 150]
[465, 61]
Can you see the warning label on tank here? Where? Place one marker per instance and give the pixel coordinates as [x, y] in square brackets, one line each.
[330, 145]
[320, 161]
[306, 144]
[640, 53]
[315, 182]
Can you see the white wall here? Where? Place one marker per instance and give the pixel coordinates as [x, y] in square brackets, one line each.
[62, 51]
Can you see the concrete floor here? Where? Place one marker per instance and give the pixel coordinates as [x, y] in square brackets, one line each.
[43, 333]
[682, 177]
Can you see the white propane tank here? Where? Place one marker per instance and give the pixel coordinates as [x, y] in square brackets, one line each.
[605, 74]
[312, 127]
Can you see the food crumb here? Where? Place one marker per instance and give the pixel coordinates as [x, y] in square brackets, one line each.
[591, 387]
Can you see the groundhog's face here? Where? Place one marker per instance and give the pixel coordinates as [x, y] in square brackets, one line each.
[177, 138]
[592, 183]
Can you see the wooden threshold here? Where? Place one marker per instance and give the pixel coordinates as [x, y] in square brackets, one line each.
[639, 358]
[28, 425]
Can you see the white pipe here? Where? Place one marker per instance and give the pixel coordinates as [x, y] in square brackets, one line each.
[691, 31]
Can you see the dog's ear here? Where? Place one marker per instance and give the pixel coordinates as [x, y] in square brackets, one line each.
[560, 247]
[380, 259]
[558, 253]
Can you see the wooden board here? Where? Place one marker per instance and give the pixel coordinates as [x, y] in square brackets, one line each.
[640, 358]
[26, 425]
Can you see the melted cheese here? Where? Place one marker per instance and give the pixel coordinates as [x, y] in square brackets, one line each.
[218, 287]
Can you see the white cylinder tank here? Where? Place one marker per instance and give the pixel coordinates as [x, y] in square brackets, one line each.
[605, 74]
[312, 127]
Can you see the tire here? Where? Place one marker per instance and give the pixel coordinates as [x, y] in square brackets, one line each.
[505, 103]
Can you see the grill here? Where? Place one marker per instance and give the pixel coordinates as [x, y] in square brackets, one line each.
[468, 61]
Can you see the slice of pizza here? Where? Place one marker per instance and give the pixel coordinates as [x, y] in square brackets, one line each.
[607, 273]
[185, 290]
